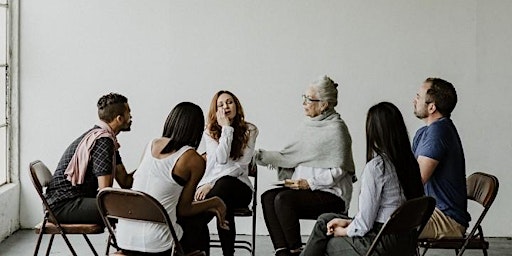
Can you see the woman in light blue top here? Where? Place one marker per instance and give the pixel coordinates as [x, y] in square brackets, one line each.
[391, 176]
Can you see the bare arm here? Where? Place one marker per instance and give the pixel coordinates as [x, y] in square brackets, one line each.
[191, 168]
[427, 167]
[124, 179]
[104, 181]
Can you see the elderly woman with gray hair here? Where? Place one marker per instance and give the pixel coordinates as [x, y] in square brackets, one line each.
[317, 167]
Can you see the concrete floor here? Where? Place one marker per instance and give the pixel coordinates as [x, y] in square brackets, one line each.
[23, 243]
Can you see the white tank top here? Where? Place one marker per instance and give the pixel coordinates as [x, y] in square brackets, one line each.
[154, 177]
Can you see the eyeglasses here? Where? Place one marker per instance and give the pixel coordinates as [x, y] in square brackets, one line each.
[308, 99]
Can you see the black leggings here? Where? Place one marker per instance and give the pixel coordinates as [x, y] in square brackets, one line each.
[196, 235]
[235, 194]
[283, 207]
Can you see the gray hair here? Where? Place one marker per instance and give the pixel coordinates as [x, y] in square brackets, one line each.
[326, 90]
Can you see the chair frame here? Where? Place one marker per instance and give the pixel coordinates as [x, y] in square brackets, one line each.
[41, 177]
[246, 212]
[483, 189]
[412, 215]
[118, 203]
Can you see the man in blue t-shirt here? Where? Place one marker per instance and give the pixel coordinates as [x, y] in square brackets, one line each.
[438, 148]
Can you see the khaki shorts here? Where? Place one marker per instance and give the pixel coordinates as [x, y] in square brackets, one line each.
[442, 226]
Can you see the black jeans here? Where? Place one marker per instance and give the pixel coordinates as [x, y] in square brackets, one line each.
[283, 207]
[235, 194]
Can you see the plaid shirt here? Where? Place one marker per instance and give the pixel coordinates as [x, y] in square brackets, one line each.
[60, 189]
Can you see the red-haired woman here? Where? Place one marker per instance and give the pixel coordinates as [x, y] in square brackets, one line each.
[229, 142]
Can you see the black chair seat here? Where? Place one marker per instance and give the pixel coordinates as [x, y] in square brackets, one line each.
[451, 243]
[243, 212]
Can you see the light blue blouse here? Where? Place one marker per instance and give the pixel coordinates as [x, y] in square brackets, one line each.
[380, 196]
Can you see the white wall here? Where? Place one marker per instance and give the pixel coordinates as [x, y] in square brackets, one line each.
[161, 52]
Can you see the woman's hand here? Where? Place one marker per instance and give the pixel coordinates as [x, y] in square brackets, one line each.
[337, 227]
[297, 184]
[202, 191]
[222, 119]
[220, 211]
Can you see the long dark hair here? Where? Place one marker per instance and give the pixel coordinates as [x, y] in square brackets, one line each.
[240, 134]
[386, 136]
[184, 126]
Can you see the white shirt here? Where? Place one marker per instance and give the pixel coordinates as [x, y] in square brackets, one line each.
[218, 162]
[380, 196]
[154, 177]
[332, 180]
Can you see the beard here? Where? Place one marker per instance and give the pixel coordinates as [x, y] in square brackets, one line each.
[420, 114]
[126, 127]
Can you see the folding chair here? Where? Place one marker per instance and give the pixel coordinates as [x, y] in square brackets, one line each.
[246, 212]
[41, 177]
[117, 203]
[482, 188]
[412, 216]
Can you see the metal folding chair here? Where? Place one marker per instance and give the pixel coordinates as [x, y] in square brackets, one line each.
[412, 216]
[117, 203]
[41, 177]
[482, 188]
[246, 212]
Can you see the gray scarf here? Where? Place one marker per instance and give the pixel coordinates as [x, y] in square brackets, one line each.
[322, 142]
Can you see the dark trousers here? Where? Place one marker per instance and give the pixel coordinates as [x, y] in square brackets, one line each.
[196, 235]
[319, 244]
[283, 207]
[235, 194]
[81, 210]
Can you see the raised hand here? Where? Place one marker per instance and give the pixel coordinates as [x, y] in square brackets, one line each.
[222, 119]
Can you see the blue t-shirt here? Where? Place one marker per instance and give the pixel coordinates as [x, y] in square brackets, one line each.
[440, 141]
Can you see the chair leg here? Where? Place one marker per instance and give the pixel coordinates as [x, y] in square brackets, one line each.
[253, 244]
[90, 245]
[107, 250]
[38, 244]
[69, 244]
[485, 252]
[50, 243]
[424, 251]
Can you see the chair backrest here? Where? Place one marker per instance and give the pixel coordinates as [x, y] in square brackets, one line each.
[412, 216]
[41, 177]
[483, 189]
[133, 205]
